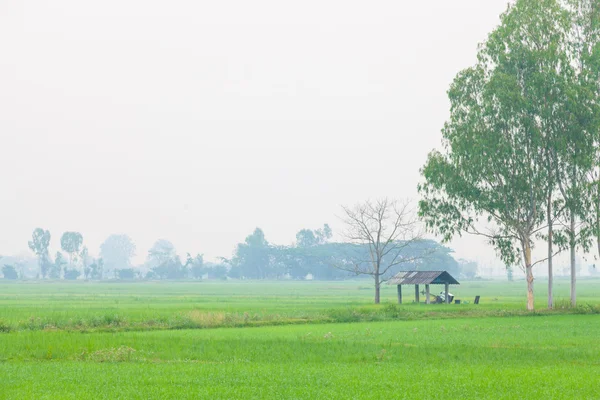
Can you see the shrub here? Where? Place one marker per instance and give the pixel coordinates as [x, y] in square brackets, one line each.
[126, 273]
[10, 272]
[72, 274]
[4, 327]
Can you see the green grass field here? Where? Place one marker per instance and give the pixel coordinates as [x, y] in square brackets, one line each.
[293, 340]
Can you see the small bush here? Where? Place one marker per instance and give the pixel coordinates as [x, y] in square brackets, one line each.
[72, 274]
[5, 327]
[587, 309]
[127, 273]
[9, 272]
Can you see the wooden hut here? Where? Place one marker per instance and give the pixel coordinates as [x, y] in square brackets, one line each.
[423, 278]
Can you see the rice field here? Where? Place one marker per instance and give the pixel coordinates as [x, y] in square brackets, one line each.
[293, 340]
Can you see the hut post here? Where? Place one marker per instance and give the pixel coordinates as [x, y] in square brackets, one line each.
[417, 293]
[447, 298]
[427, 294]
[399, 294]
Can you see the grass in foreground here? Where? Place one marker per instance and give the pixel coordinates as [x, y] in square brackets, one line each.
[113, 340]
[544, 357]
[89, 306]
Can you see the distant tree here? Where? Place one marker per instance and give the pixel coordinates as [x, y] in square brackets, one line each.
[72, 273]
[468, 269]
[127, 273]
[96, 269]
[92, 270]
[164, 262]
[117, 251]
[59, 263]
[309, 238]
[20, 266]
[161, 252]
[195, 265]
[39, 244]
[388, 229]
[85, 262]
[252, 258]
[70, 242]
[235, 271]
[10, 272]
[324, 234]
[306, 238]
[170, 269]
[217, 271]
[509, 273]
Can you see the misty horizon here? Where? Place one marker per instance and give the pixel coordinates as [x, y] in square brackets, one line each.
[197, 123]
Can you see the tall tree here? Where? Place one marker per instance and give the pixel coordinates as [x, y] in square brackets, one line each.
[388, 228]
[96, 269]
[576, 155]
[85, 262]
[39, 244]
[309, 238]
[117, 251]
[164, 261]
[70, 242]
[195, 265]
[494, 169]
[56, 269]
[252, 259]
[162, 251]
[306, 238]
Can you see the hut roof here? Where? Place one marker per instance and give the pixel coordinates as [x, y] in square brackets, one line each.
[422, 278]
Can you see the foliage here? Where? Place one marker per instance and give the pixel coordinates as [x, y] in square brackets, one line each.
[117, 251]
[164, 263]
[97, 268]
[72, 274]
[251, 259]
[127, 273]
[161, 252]
[39, 244]
[216, 271]
[309, 238]
[56, 268]
[70, 242]
[85, 261]
[509, 274]
[505, 112]
[10, 272]
[195, 265]
[468, 269]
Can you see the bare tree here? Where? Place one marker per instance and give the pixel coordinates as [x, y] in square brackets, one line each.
[388, 228]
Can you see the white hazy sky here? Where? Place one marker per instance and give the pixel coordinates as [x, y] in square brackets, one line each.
[197, 121]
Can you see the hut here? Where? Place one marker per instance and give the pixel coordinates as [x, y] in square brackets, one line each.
[423, 278]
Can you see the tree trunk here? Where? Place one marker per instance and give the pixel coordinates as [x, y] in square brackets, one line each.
[573, 262]
[529, 273]
[598, 217]
[377, 290]
[550, 254]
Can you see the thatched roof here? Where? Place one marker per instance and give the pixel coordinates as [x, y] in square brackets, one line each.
[422, 278]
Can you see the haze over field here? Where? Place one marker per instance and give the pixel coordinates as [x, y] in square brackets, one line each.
[198, 121]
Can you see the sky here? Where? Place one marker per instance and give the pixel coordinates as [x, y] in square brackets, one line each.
[197, 121]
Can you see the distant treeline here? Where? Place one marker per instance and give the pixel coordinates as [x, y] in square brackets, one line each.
[312, 256]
